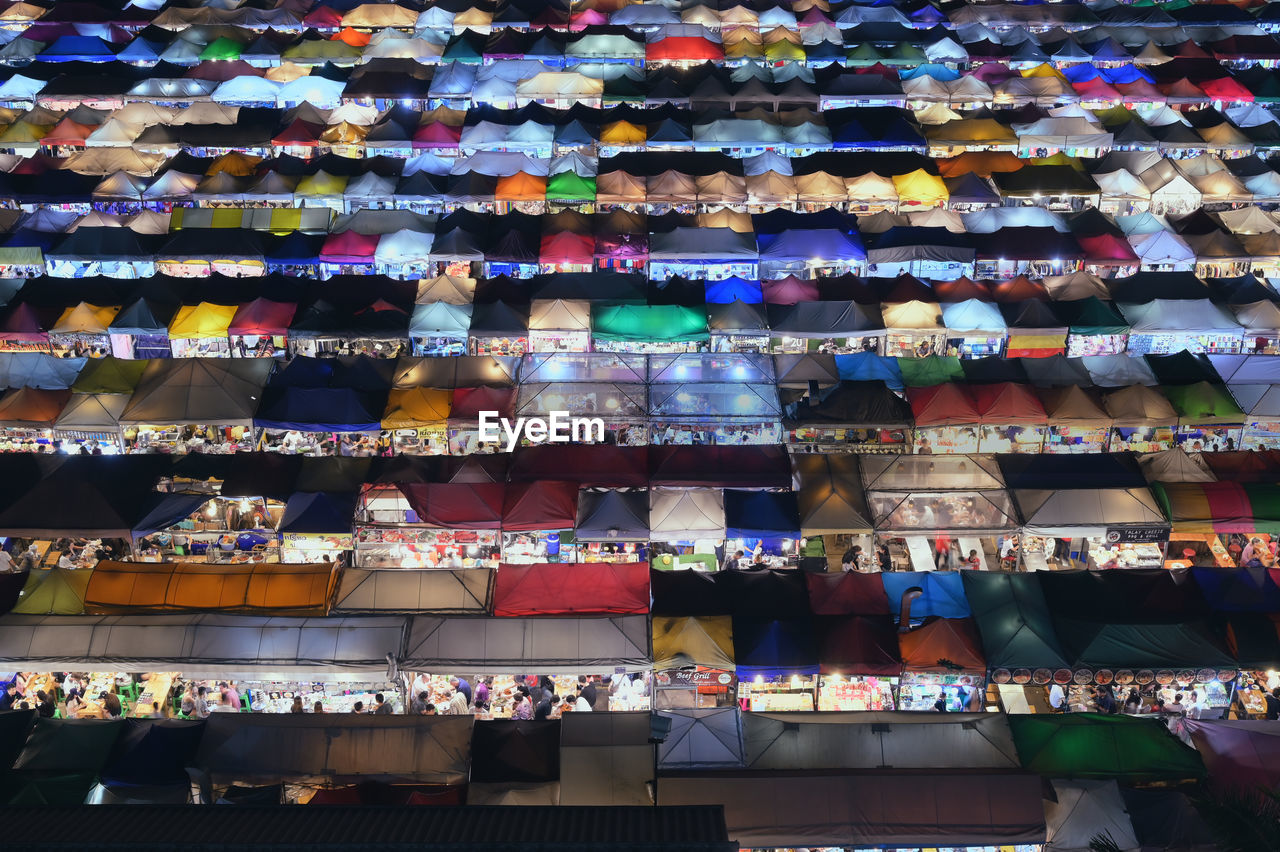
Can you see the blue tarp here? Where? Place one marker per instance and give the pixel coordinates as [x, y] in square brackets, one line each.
[319, 512]
[729, 290]
[943, 593]
[169, 510]
[1238, 590]
[761, 514]
[321, 410]
[870, 367]
[774, 648]
[78, 48]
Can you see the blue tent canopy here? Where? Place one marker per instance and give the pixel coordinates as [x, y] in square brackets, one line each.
[169, 509]
[943, 593]
[939, 72]
[321, 409]
[870, 367]
[728, 290]
[774, 648]
[78, 48]
[319, 512]
[761, 514]
[1126, 74]
[1238, 590]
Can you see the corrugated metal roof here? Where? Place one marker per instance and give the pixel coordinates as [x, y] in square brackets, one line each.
[232, 828]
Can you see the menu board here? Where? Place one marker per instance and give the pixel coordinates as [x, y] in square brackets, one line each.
[946, 439]
[857, 693]
[1075, 439]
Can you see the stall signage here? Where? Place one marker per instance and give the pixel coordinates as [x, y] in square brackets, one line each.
[698, 680]
[1137, 535]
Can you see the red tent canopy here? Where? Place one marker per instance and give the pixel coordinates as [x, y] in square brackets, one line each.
[437, 134]
[1227, 89]
[858, 644]
[962, 289]
[262, 316]
[540, 506]
[1107, 248]
[789, 291]
[946, 644]
[1019, 289]
[469, 402]
[766, 466]
[460, 505]
[941, 405]
[349, 247]
[683, 49]
[566, 247]
[563, 589]
[1007, 403]
[848, 593]
[299, 132]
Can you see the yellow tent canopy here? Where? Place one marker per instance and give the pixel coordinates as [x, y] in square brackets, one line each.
[411, 408]
[683, 641]
[920, 187]
[130, 587]
[1044, 69]
[202, 322]
[85, 318]
[623, 133]
[321, 183]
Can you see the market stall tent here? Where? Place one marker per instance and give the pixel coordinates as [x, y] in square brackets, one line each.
[443, 592]
[224, 646]
[1087, 745]
[682, 641]
[264, 748]
[780, 742]
[1091, 512]
[549, 645]
[53, 591]
[123, 588]
[1013, 620]
[564, 589]
[1239, 755]
[1081, 810]
[943, 644]
[828, 495]
[612, 515]
[709, 738]
[679, 514]
[198, 391]
[605, 759]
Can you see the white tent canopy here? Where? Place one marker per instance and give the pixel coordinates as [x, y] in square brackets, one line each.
[547, 645]
[385, 592]
[1084, 810]
[223, 646]
[681, 514]
[708, 738]
[1087, 512]
[784, 741]
[605, 759]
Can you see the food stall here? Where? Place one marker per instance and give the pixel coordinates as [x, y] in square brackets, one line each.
[200, 331]
[559, 325]
[643, 329]
[1077, 421]
[28, 417]
[935, 511]
[392, 532]
[260, 329]
[417, 419]
[832, 327]
[975, 329]
[853, 417]
[83, 332]
[1203, 534]
[1093, 327]
[440, 328]
[913, 329]
[943, 657]
[1143, 421]
[1012, 419]
[1167, 326]
[946, 418]
[702, 254]
[163, 415]
[141, 330]
[713, 399]
[1103, 527]
[1208, 418]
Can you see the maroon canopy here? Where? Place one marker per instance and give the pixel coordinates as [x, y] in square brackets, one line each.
[849, 593]
[589, 465]
[469, 402]
[858, 645]
[262, 316]
[723, 467]
[540, 506]
[460, 505]
[563, 589]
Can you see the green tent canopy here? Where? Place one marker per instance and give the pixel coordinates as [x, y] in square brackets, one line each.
[668, 323]
[222, 48]
[1203, 402]
[1091, 316]
[56, 591]
[568, 186]
[110, 375]
[930, 370]
[1087, 745]
[1180, 645]
[1013, 620]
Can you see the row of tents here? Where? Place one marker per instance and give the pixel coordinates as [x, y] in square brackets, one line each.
[758, 624]
[972, 779]
[661, 494]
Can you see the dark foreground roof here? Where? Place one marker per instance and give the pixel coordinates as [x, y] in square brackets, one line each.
[470, 829]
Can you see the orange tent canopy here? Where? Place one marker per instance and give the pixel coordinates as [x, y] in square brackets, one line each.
[521, 187]
[132, 587]
[943, 644]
